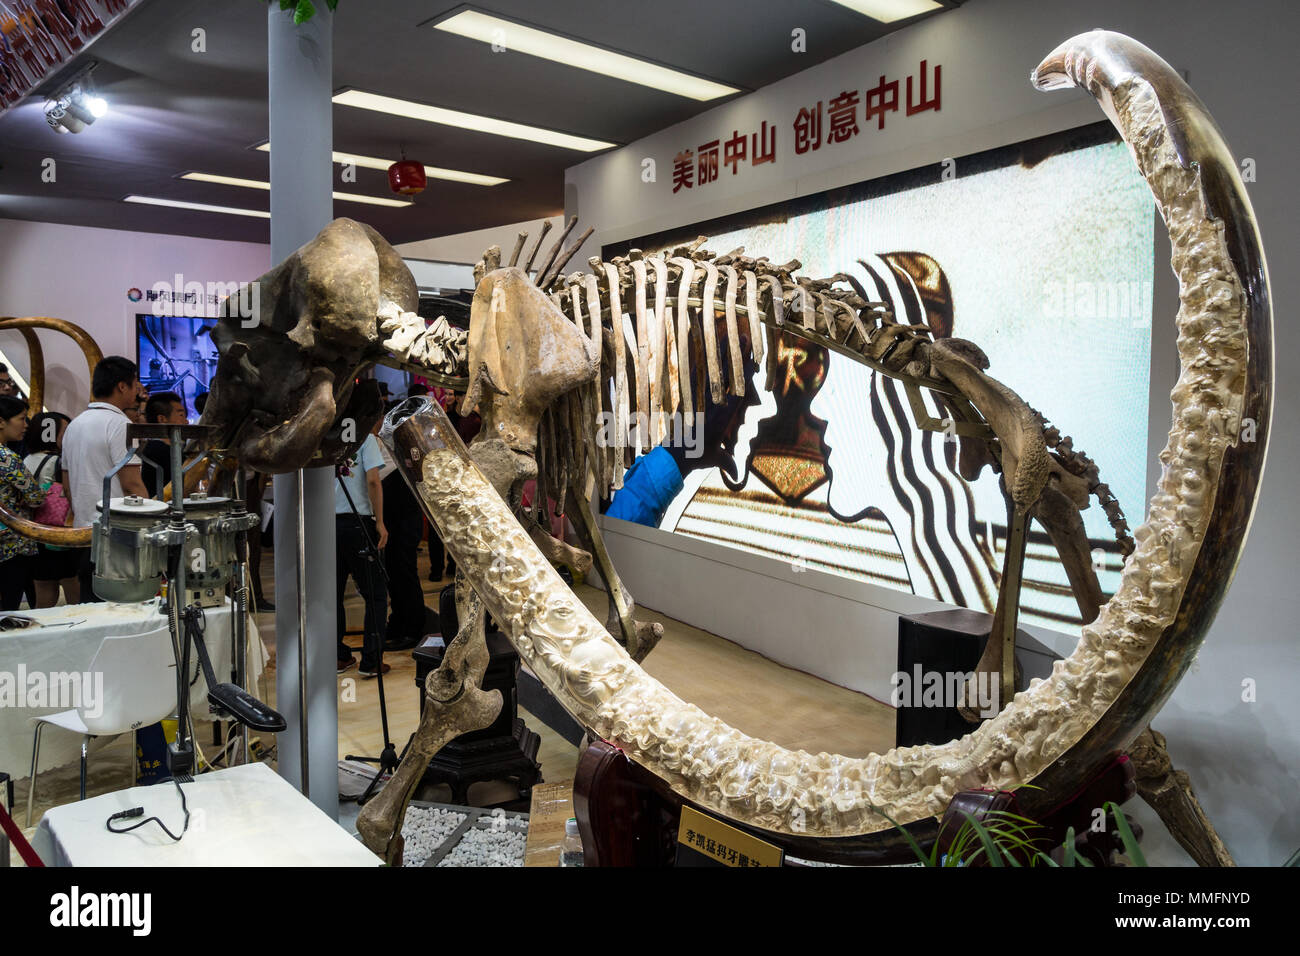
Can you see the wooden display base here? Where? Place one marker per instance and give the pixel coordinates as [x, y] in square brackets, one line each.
[464, 762]
[505, 750]
[627, 816]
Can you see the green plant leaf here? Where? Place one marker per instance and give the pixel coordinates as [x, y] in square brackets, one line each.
[332, 4]
[288, 4]
[304, 11]
[911, 840]
[990, 848]
[1131, 848]
[1068, 856]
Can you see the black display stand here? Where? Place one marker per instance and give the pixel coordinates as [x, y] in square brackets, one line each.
[949, 642]
[504, 750]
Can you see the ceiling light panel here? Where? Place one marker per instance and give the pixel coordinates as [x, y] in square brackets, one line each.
[470, 121]
[887, 11]
[433, 172]
[198, 206]
[259, 184]
[517, 38]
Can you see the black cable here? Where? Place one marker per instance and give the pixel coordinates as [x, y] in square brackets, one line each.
[194, 621]
[139, 811]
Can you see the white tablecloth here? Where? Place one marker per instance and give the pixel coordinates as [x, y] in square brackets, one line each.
[71, 648]
[243, 816]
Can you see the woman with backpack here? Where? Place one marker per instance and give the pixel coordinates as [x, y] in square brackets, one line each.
[52, 568]
[22, 494]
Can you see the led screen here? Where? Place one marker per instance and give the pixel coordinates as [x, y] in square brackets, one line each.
[1044, 253]
[176, 354]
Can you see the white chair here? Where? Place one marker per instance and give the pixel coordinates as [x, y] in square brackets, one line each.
[139, 689]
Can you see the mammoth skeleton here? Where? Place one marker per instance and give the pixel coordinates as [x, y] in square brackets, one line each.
[546, 354]
[1057, 733]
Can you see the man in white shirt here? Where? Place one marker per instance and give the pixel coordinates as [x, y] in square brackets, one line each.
[94, 443]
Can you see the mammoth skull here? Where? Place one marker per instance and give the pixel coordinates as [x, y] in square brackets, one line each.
[292, 344]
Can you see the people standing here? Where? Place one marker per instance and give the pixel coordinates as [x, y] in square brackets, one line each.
[163, 408]
[54, 568]
[93, 445]
[405, 522]
[357, 536]
[9, 389]
[21, 494]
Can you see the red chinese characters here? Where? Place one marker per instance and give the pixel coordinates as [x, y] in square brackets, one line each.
[838, 119]
[922, 103]
[808, 129]
[841, 112]
[706, 163]
[683, 170]
[701, 166]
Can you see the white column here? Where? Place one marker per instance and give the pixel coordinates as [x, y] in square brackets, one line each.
[300, 67]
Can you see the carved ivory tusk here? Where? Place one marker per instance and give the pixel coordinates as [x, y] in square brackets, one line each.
[1056, 734]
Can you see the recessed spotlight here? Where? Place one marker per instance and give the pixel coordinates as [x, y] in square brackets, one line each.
[260, 184]
[887, 11]
[518, 38]
[75, 106]
[471, 121]
[433, 172]
[198, 206]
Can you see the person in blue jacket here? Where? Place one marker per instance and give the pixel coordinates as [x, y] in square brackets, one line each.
[656, 478]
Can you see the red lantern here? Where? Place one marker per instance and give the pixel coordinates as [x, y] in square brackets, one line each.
[406, 177]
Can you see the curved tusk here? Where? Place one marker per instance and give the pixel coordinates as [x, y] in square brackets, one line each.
[1057, 734]
[27, 324]
[57, 535]
[35, 372]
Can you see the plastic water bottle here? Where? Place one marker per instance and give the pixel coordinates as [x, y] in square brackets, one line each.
[571, 848]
